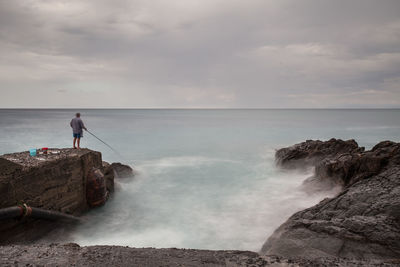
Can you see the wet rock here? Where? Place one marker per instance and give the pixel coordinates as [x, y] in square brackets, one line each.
[108, 172]
[96, 192]
[311, 152]
[121, 170]
[361, 222]
[348, 168]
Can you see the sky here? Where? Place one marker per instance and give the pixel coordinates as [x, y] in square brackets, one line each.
[200, 54]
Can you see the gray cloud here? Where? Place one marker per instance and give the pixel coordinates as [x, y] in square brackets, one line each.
[197, 53]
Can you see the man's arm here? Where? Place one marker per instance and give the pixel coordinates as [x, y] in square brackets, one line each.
[83, 125]
[70, 124]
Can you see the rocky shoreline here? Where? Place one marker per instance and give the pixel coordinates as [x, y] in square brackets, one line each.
[73, 255]
[358, 227]
[362, 221]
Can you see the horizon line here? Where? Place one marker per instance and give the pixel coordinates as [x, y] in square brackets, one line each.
[164, 108]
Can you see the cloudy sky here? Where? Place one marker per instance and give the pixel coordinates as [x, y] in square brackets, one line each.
[200, 53]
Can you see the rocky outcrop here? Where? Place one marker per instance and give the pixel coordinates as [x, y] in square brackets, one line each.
[362, 222]
[311, 152]
[53, 181]
[348, 168]
[121, 170]
[65, 180]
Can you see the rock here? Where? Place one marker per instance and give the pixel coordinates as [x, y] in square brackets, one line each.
[312, 151]
[348, 168]
[108, 172]
[55, 181]
[121, 170]
[362, 222]
[96, 192]
[73, 255]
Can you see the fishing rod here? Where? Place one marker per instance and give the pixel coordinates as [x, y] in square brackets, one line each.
[114, 150]
[104, 143]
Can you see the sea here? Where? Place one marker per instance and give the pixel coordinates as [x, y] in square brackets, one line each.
[206, 178]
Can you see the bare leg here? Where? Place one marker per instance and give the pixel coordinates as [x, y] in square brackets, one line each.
[79, 141]
[75, 142]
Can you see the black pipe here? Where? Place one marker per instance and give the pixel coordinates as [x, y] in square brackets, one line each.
[53, 215]
[11, 212]
[37, 213]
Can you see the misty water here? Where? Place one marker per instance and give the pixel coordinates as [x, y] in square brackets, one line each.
[206, 178]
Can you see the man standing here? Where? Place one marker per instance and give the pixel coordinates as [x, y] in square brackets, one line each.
[77, 126]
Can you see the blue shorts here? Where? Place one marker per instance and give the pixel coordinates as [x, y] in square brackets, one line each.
[77, 135]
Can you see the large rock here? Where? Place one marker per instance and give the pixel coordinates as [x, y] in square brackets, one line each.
[348, 168]
[311, 152]
[122, 170]
[53, 181]
[57, 181]
[363, 221]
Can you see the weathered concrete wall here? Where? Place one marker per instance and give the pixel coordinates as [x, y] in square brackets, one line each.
[53, 181]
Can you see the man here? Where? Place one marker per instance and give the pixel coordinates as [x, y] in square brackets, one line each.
[77, 126]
